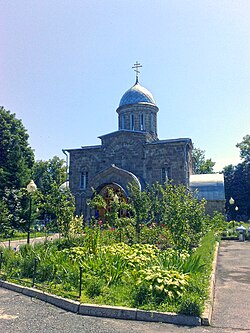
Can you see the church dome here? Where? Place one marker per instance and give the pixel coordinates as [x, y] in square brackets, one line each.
[137, 94]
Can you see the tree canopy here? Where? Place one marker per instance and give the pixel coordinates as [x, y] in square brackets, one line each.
[244, 146]
[201, 165]
[237, 183]
[46, 174]
[16, 155]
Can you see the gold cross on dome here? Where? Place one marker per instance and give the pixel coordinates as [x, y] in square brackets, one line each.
[136, 67]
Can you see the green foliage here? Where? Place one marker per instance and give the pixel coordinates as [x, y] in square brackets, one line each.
[237, 184]
[16, 161]
[76, 226]
[166, 215]
[5, 223]
[17, 203]
[181, 261]
[93, 287]
[106, 266]
[173, 207]
[183, 216]
[217, 222]
[191, 305]
[140, 206]
[63, 204]
[201, 165]
[47, 173]
[138, 275]
[92, 240]
[244, 146]
[16, 156]
[97, 201]
[162, 283]
[141, 295]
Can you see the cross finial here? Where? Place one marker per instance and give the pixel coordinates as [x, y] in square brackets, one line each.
[136, 67]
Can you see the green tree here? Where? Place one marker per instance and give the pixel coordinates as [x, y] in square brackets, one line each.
[237, 183]
[172, 206]
[201, 165]
[16, 203]
[63, 205]
[244, 146]
[5, 225]
[16, 155]
[48, 173]
[139, 202]
[183, 216]
[48, 176]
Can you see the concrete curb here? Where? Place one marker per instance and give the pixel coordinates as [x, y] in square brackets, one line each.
[206, 316]
[103, 310]
[123, 312]
[107, 311]
[168, 317]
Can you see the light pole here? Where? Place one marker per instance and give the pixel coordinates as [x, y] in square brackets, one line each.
[231, 202]
[236, 211]
[31, 188]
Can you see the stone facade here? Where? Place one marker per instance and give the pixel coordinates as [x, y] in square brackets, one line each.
[125, 156]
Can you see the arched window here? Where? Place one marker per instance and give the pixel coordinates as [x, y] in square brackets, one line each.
[132, 122]
[142, 121]
[84, 177]
[152, 122]
[122, 121]
[163, 176]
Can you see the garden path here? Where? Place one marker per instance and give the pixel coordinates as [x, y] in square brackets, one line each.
[232, 287]
[16, 243]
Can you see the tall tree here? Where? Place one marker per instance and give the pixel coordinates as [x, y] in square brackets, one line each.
[244, 146]
[16, 155]
[201, 165]
[46, 174]
[237, 183]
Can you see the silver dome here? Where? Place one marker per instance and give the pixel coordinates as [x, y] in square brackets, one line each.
[137, 94]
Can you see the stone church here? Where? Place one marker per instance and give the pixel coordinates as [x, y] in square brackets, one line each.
[133, 153]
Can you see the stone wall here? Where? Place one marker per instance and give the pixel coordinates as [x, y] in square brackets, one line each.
[215, 205]
[133, 152]
[173, 156]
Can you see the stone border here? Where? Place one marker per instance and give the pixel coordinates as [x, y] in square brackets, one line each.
[123, 312]
[206, 316]
[104, 310]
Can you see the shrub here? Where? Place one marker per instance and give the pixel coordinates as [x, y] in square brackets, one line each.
[141, 295]
[161, 283]
[93, 287]
[191, 305]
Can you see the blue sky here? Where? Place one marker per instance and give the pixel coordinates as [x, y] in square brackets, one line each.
[64, 66]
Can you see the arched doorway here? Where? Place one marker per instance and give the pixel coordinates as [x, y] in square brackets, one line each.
[111, 193]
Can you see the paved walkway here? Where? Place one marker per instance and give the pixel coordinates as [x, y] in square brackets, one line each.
[232, 289]
[16, 243]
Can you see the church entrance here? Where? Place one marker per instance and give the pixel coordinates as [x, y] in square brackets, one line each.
[112, 193]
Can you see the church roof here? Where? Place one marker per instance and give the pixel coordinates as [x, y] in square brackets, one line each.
[137, 94]
[209, 186]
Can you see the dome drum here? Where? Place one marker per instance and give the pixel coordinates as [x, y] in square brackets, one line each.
[137, 111]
